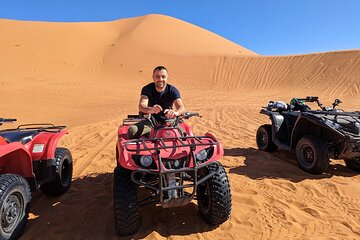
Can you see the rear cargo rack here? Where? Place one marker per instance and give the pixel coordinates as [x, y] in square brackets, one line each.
[351, 114]
[46, 127]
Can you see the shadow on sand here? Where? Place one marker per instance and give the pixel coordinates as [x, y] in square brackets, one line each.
[86, 212]
[259, 165]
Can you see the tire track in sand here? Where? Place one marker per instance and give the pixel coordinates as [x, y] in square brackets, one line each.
[93, 147]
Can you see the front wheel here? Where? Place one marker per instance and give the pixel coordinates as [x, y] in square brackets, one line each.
[264, 139]
[126, 208]
[63, 174]
[312, 155]
[214, 196]
[15, 199]
[353, 163]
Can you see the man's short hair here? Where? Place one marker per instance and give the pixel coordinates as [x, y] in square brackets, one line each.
[159, 68]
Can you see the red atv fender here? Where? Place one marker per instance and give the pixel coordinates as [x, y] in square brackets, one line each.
[43, 146]
[218, 150]
[15, 158]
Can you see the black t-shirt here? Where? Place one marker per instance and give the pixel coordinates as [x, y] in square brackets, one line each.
[165, 98]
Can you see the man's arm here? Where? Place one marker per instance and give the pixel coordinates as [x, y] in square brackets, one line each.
[143, 106]
[179, 109]
[179, 106]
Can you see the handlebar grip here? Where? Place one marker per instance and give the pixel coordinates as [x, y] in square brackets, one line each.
[133, 116]
[191, 114]
[8, 119]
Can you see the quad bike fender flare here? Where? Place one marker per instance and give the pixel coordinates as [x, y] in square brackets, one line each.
[15, 158]
[187, 128]
[302, 125]
[52, 144]
[2, 141]
[122, 131]
[11, 147]
[122, 156]
[218, 149]
[276, 120]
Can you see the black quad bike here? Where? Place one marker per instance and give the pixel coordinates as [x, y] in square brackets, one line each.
[315, 135]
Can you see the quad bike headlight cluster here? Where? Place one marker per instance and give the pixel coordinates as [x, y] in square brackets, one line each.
[331, 124]
[205, 154]
[146, 161]
[201, 155]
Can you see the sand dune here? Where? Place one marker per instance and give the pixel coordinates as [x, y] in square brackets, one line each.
[88, 76]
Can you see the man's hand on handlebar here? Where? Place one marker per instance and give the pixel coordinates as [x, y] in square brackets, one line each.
[155, 109]
[169, 113]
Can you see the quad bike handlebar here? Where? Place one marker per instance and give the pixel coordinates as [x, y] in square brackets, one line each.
[4, 120]
[188, 115]
[132, 118]
[331, 108]
[7, 120]
[300, 104]
[322, 107]
[336, 102]
[185, 115]
[173, 121]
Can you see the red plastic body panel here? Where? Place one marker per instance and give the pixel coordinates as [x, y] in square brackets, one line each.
[187, 129]
[15, 158]
[122, 132]
[2, 141]
[49, 142]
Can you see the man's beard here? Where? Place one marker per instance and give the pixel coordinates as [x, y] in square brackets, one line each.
[160, 84]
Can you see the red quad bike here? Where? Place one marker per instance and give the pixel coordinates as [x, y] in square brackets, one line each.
[29, 159]
[176, 166]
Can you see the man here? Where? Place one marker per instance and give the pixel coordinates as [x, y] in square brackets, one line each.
[157, 98]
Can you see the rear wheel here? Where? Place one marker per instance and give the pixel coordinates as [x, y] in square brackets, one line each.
[353, 163]
[126, 209]
[312, 155]
[264, 139]
[214, 196]
[15, 199]
[64, 169]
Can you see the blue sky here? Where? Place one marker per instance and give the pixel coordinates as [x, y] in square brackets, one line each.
[273, 27]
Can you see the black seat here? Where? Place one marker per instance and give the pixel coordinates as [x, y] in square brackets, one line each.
[19, 136]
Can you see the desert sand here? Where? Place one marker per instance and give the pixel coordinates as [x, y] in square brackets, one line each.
[88, 76]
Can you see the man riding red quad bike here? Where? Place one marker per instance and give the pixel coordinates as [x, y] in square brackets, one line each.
[29, 159]
[176, 166]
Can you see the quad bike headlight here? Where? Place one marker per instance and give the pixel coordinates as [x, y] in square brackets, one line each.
[331, 124]
[146, 161]
[202, 155]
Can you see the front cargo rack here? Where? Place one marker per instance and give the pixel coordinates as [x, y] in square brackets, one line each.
[159, 143]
